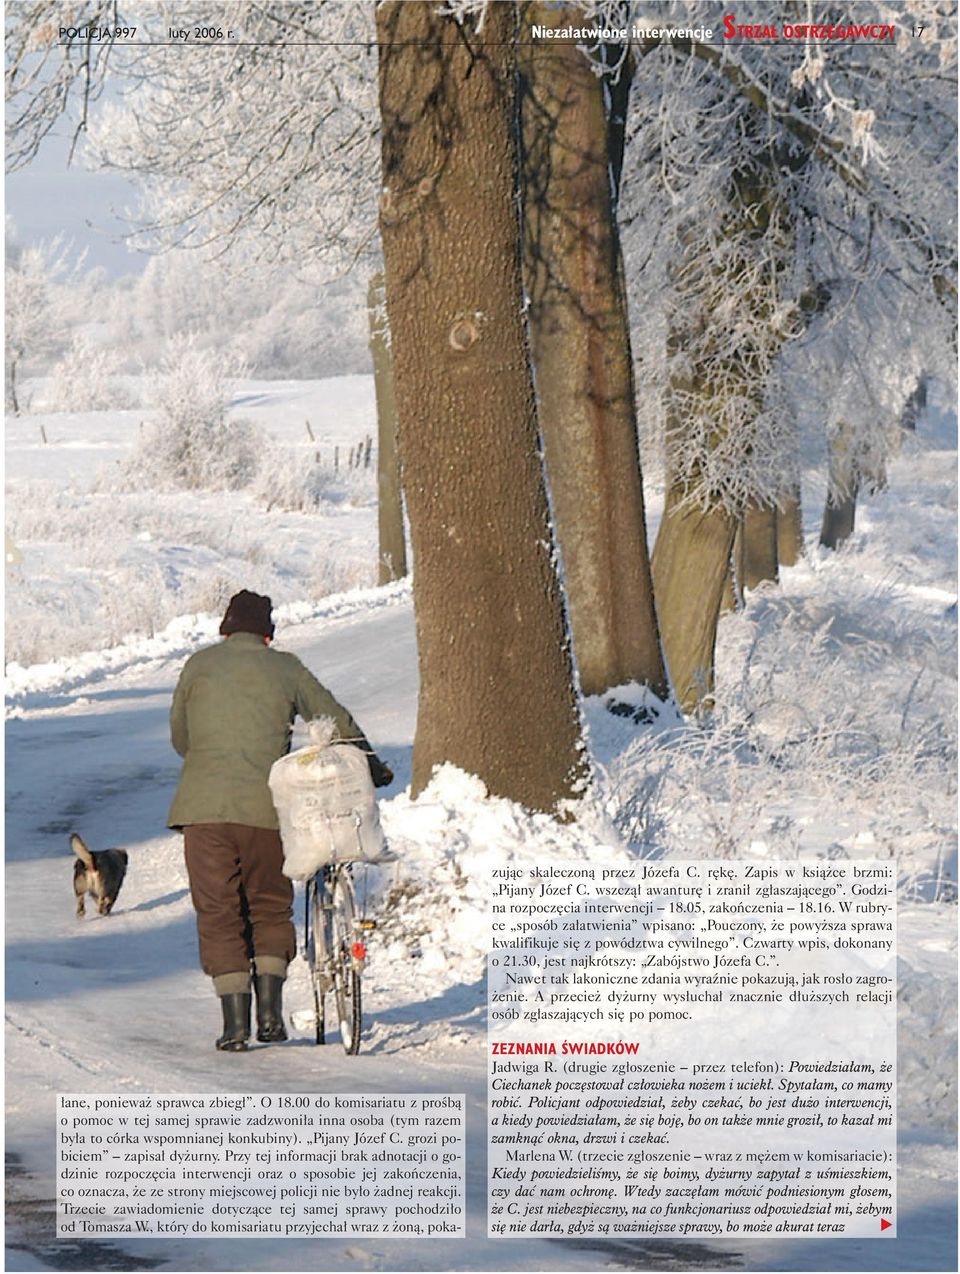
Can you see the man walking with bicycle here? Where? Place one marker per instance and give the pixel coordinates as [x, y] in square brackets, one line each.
[232, 714]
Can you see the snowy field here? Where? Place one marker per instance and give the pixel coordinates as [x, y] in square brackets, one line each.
[834, 735]
[107, 554]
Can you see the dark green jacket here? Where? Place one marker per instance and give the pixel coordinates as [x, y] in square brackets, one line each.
[233, 710]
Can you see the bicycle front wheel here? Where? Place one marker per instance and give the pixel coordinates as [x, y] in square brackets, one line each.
[346, 973]
[317, 940]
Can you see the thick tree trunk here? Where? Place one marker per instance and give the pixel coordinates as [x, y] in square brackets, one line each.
[839, 516]
[757, 546]
[392, 558]
[691, 563]
[730, 599]
[496, 690]
[790, 529]
[840, 510]
[581, 350]
[691, 559]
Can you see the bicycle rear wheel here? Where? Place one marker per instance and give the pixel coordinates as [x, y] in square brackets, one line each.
[346, 963]
[317, 920]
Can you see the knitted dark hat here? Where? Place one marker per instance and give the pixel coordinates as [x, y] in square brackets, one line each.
[248, 613]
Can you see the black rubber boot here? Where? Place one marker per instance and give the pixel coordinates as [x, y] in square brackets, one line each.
[236, 1022]
[270, 1028]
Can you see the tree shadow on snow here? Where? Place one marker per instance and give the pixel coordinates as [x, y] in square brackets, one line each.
[455, 1008]
[100, 956]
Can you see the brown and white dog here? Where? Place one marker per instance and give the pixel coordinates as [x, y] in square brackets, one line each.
[99, 873]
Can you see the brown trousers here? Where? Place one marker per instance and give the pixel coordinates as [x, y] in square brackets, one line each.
[243, 901]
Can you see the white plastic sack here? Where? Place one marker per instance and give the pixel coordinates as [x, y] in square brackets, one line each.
[327, 808]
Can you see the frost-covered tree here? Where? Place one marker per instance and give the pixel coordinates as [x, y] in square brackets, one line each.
[273, 141]
[279, 322]
[580, 342]
[261, 155]
[34, 309]
[276, 139]
[768, 187]
[496, 693]
[768, 183]
[276, 145]
[853, 379]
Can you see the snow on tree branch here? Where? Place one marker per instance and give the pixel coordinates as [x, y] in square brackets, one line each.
[272, 137]
[756, 199]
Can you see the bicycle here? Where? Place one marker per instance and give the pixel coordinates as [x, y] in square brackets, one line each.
[336, 950]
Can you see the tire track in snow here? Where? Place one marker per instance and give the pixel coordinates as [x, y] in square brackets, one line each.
[33, 1036]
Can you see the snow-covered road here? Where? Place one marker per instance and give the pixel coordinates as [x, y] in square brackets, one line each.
[120, 1005]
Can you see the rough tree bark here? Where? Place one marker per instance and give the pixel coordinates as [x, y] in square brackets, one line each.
[691, 557]
[580, 342]
[392, 557]
[757, 546]
[730, 600]
[496, 688]
[691, 564]
[790, 529]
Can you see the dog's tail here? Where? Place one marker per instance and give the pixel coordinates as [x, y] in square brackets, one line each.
[81, 851]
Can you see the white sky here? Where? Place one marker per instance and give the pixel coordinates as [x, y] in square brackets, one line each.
[49, 198]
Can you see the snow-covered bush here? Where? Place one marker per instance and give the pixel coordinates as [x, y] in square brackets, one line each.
[295, 480]
[194, 446]
[286, 479]
[88, 379]
[808, 719]
[101, 566]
